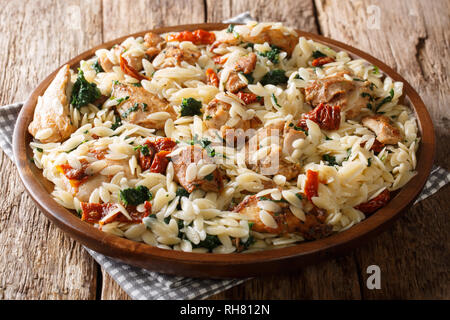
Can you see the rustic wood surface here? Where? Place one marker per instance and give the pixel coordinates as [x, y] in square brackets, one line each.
[37, 261]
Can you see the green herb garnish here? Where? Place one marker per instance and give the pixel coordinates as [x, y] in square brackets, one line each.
[97, 67]
[317, 54]
[230, 28]
[331, 160]
[143, 149]
[83, 92]
[274, 77]
[273, 54]
[190, 107]
[385, 99]
[135, 196]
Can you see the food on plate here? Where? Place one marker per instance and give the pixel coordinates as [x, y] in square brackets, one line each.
[237, 140]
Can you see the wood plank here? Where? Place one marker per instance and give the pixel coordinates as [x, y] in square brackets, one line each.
[143, 15]
[37, 260]
[411, 37]
[296, 14]
[124, 17]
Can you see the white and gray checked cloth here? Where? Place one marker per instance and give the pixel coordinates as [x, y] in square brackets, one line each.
[142, 284]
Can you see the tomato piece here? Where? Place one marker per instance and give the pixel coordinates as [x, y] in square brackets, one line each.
[249, 98]
[75, 176]
[126, 68]
[318, 62]
[376, 203]
[312, 184]
[196, 37]
[212, 78]
[166, 144]
[160, 162]
[327, 117]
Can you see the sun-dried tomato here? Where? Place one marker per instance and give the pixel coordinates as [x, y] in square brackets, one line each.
[160, 162]
[129, 70]
[154, 147]
[312, 184]
[95, 212]
[212, 78]
[165, 144]
[196, 37]
[376, 203]
[318, 62]
[327, 117]
[75, 176]
[249, 97]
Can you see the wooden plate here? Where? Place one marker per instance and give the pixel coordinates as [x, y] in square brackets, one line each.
[222, 265]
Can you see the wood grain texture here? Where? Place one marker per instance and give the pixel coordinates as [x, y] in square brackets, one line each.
[125, 17]
[37, 260]
[411, 37]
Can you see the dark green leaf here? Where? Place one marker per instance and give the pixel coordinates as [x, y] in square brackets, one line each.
[83, 92]
[274, 77]
[190, 107]
[135, 196]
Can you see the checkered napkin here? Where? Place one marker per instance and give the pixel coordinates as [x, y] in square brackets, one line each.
[147, 285]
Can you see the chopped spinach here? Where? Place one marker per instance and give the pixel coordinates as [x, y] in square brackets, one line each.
[135, 196]
[97, 67]
[385, 99]
[190, 107]
[83, 92]
[331, 160]
[39, 150]
[369, 162]
[317, 54]
[137, 84]
[275, 100]
[230, 28]
[210, 242]
[209, 177]
[181, 192]
[250, 240]
[274, 77]
[116, 124]
[273, 54]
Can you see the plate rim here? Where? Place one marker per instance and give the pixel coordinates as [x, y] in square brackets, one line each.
[199, 264]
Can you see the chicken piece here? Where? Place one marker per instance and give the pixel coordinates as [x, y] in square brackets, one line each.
[193, 154]
[336, 90]
[274, 161]
[140, 105]
[385, 131]
[290, 136]
[246, 64]
[154, 43]
[234, 84]
[313, 227]
[134, 62]
[217, 114]
[153, 40]
[174, 55]
[51, 121]
[274, 37]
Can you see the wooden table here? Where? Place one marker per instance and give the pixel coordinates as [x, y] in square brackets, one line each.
[37, 261]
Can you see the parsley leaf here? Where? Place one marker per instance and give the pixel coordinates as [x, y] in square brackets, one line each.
[385, 99]
[230, 28]
[331, 160]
